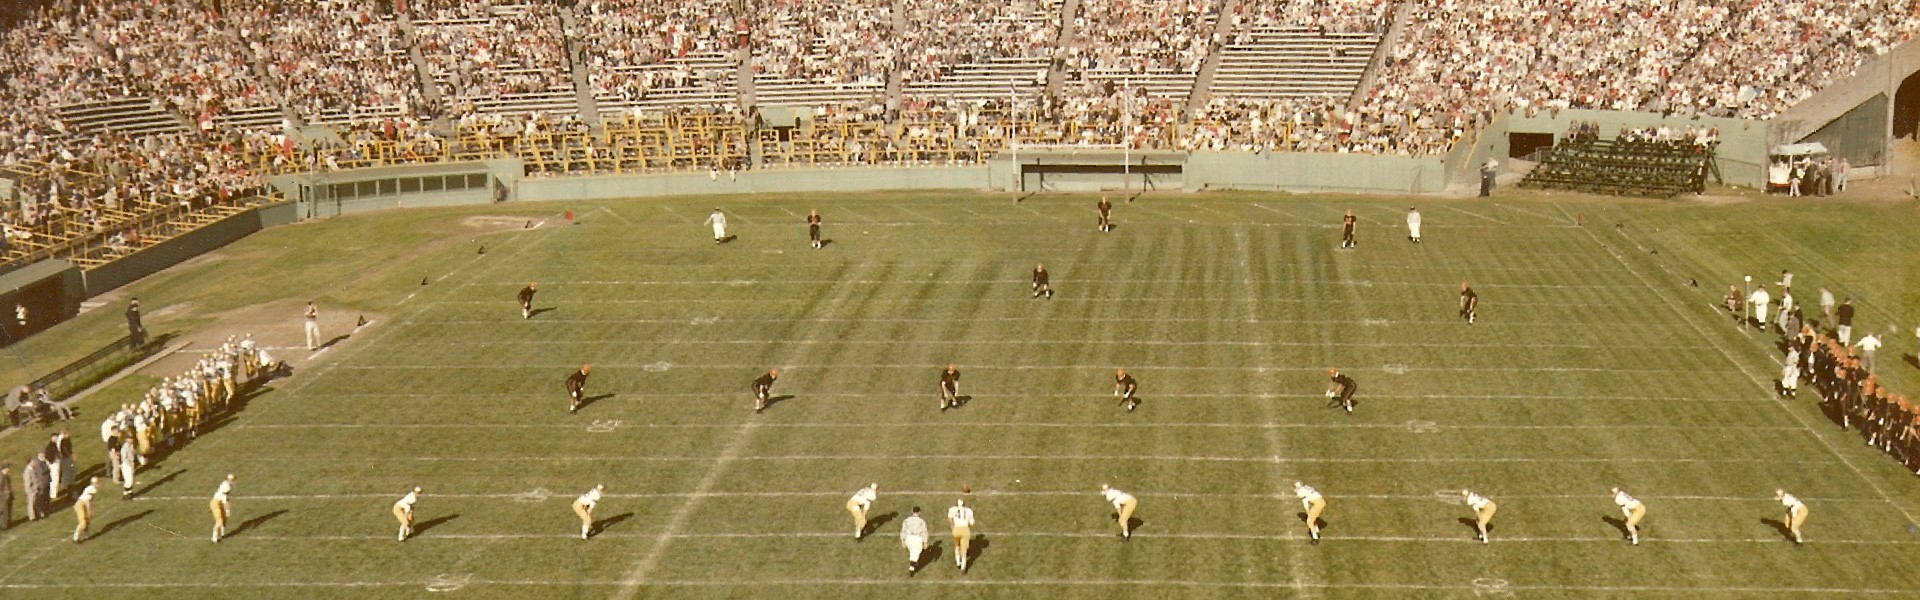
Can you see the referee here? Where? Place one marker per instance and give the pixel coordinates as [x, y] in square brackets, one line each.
[577, 386]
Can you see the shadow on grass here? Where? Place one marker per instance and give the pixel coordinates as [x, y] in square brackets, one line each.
[929, 556]
[430, 524]
[1778, 526]
[157, 483]
[255, 522]
[874, 524]
[608, 523]
[538, 311]
[586, 401]
[778, 399]
[1473, 526]
[1322, 522]
[122, 522]
[975, 548]
[1618, 524]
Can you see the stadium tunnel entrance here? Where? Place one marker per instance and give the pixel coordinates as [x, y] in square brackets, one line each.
[1906, 107]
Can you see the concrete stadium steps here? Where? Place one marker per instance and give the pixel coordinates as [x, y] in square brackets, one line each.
[553, 102]
[986, 80]
[779, 92]
[1156, 83]
[129, 115]
[358, 113]
[1294, 62]
[261, 117]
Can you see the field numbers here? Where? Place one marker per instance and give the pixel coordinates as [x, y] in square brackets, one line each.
[448, 583]
[1488, 587]
[603, 426]
[1423, 427]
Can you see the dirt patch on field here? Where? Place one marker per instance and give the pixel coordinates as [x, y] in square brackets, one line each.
[277, 326]
[491, 223]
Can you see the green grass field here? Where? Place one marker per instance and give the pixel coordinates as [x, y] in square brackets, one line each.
[1593, 364]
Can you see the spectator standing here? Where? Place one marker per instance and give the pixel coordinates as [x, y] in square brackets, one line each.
[1869, 345]
[34, 479]
[1826, 306]
[136, 332]
[1844, 317]
[6, 497]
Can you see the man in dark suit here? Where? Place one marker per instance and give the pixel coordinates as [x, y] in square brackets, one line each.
[6, 498]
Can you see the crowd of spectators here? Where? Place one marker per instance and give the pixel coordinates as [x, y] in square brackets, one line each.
[942, 35]
[1456, 65]
[483, 50]
[1139, 36]
[626, 44]
[340, 56]
[1774, 54]
[826, 41]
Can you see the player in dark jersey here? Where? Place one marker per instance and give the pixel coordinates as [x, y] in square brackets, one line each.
[763, 389]
[1469, 302]
[1106, 214]
[577, 386]
[1124, 387]
[1040, 285]
[1346, 230]
[526, 299]
[813, 228]
[1341, 387]
[950, 387]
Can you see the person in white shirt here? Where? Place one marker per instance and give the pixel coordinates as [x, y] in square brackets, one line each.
[1759, 301]
[403, 512]
[1826, 306]
[1314, 504]
[913, 535]
[1123, 507]
[1796, 513]
[1869, 344]
[222, 507]
[1633, 510]
[313, 326]
[961, 518]
[859, 504]
[83, 508]
[1413, 225]
[719, 222]
[1483, 510]
[583, 506]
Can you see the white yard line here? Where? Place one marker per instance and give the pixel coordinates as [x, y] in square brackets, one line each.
[1680, 309]
[523, 497]
[1558, 324]
[1295, 538]
[1436, 427]
[975, 458]
[615, 215]
[643, 566]
[628, 341]
[1471, 214]
[1098, 394]
[1396, 369]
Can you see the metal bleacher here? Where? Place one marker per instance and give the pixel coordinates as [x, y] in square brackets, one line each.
[1293, 62]
[129, 115]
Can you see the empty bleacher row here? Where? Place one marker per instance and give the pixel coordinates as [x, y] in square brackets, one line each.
[1653, 169]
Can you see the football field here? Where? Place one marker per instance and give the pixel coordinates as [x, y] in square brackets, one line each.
[1593, 363]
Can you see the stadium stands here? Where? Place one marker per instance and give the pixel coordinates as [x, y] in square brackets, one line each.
[198, 98]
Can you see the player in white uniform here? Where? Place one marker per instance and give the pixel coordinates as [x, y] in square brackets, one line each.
[1483, 510]
[859, 504]
[1413, 225]
[583, 506]
[1314, 504]
[719, 222]
[403, 512]
[222, 508]
[1123, 506]
[1633, 510]
[961, 518]
[1796, 513]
